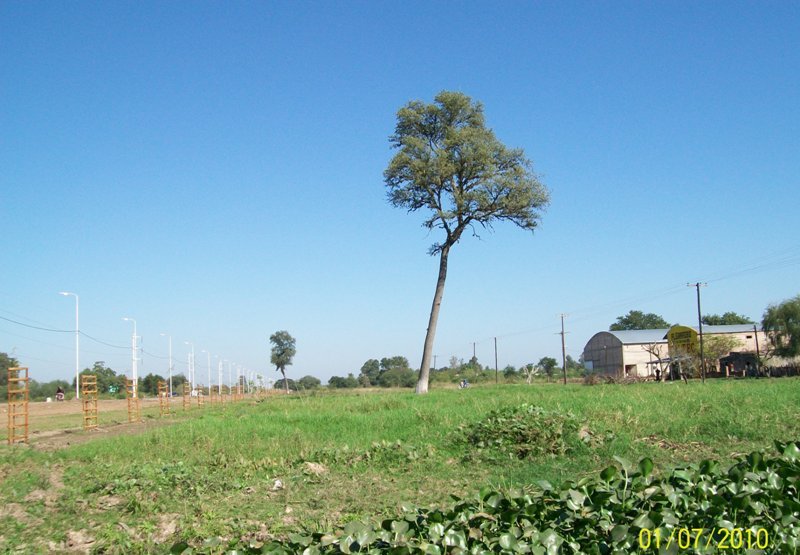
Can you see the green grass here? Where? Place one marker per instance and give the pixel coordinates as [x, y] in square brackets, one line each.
[213, 473]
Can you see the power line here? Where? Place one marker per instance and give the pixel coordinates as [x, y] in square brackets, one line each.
[103, 342]
[35, 327]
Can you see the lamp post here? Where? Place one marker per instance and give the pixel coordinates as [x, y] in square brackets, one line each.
[191, 365]
[170, 361]
[238, 378]
[134, 370]
[77, 344]
[219, 375]
[209, 370]
[230, 381]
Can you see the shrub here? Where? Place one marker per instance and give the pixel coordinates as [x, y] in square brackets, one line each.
[523, 431]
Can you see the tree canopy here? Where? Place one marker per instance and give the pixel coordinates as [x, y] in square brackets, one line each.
[727, 319]
[283, 351]
[449, 164]
[309, 382]
[6, 362]
[638, 320]
[781, 323]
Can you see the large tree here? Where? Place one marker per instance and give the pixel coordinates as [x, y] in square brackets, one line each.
[6, 362]
[283, 351]
[727, 319]
[781, 323]
[638, 320]
[451, 165]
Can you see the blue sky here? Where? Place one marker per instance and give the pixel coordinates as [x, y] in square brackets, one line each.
[214, 170]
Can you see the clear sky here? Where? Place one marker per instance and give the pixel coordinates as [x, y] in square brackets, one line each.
[214, 170]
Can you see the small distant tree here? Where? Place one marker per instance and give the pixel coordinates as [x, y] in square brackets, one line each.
[548, 365]
[573, 365]
[177, 383]
[727, 319]
[529, 371]
[370, 371]
[337, 382]
[398, 377]
[717, 346]
[309, 382]
[660, 352]
[781, 323]
[283, 351]
[108, 380]
[450, 164]
[150, 383]
[638, 320]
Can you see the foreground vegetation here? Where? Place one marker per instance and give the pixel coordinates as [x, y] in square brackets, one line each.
[248, 473]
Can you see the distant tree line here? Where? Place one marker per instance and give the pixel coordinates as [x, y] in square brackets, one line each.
[109, 383]
[392, 372]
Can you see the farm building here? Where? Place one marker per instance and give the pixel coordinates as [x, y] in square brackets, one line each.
[637, 353]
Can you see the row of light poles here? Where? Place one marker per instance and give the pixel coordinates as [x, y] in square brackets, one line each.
[135, 359]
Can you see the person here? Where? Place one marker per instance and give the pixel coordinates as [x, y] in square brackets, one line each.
[59, 394]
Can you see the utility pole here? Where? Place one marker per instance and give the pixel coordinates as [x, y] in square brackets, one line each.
[77, 343]
[473, 349]
[563, 350]
[170, 361]
[434, 362]
[495, 361]
[758, 353]
[700, 327]
[134, 360]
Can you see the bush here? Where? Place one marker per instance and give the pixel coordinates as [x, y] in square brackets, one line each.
[523, 431]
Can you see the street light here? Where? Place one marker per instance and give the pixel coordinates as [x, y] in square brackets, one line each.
[219, 375]
[209, 370]
[77, 344]
[170, 361]
[191, 365]
[134, 371]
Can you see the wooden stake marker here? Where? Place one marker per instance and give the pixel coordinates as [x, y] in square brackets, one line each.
[18, 391]
[134, 407]
[163, 398]
[89, 400]
[187, 400]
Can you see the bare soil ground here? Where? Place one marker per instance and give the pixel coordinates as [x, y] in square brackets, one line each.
[56, 425]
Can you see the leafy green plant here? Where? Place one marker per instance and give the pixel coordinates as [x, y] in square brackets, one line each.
[523, 431]
[596, 516]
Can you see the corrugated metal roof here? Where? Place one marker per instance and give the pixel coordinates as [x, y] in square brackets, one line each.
[734, 328]
[628, 337]
[633, 337]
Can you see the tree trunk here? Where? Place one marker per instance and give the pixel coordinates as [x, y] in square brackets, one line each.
[425, 367]
[285, 381]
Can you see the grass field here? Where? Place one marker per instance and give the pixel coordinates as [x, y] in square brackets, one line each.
[346, 456]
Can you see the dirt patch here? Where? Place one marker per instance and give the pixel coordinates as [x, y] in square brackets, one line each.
[315, 469]
[60, 439]
[77, 542]
[108, 502]
[50, 495]
[166, 527]
[14, 510]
